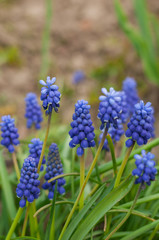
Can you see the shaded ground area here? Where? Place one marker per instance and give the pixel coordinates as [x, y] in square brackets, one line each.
[84, 35]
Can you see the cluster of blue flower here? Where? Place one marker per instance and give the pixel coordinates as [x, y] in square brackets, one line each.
[114, 109]
[140, 127]
[33, 111]
[35, 148]
[50, 95]
[82, 131]
[28, 189]
[110, 108]
[145, 170]
[53, 169]
[9, 133]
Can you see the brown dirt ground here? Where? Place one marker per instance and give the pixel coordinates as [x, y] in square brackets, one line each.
[84, 34]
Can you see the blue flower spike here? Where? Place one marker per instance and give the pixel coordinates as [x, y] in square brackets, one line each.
[129, 87]
[33, 112]
[145, 168]
[53, 169]
[35, 148]
[140, 127]
[9, 133]
[82, 132]
[153, 123]
[125, 111]
[50, 95]
[110, 108]
[28, 189]
[78, 77]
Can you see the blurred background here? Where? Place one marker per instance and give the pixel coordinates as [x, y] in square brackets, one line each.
[85, 44]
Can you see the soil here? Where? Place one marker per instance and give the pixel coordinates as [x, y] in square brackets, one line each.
[84, 35]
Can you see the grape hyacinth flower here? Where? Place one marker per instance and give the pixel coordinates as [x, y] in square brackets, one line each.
[50, 95]
[115, 134]
[9, 133]
[35, 148]
[33, 112]
[28, 189]
[53, 169]
[82, 132]
[140, 127]
[129, 87]
[153, 123]
[145, 168]
[125, 111]
[110, 108]
[78, 76]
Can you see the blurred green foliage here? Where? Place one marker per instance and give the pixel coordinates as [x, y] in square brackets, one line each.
[111, 68]
[145, 38]
[10, 55]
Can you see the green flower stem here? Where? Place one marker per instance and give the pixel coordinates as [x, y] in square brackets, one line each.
[25, 220]
[111, 146]
[44, 144]
[82, 174]
[16, 165]
[72, 169]
[46, 39]
[122, 167]
[52, 230]
[50, 204]
[14, 224]
[134, 212]
[84, 184]
[96, 166]
[127, 215]
[141, 200]
[154, 232]
[63, 175]
[51, 223]
[33, 221]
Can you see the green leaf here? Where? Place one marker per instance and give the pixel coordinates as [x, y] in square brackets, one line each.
[6, 187]
[102, 208]
[140, 231]
[25, 238]
[134, 212]
[111, 146]
[144, 22]
[73, 225]
[50, 226]
[141, 200]
[139, 41]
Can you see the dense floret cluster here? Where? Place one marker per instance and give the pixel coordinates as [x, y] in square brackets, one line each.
[50, 95]
[125, 112]
[35, 148]
[82, 132]
[9, 133]
[153, 123]
[129, 87]
[53, 169]
[33, 112]
[28, 189]
[78, 76]
[145, 170]
[110, 108]
[115, 134]
[140, 127]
